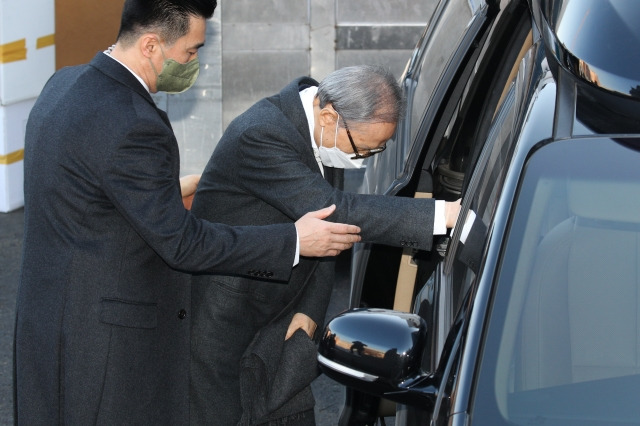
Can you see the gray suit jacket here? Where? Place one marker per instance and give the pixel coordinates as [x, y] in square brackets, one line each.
[102, 331]
[263, 171]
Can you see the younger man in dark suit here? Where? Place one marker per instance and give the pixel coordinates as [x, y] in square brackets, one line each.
[103, 308]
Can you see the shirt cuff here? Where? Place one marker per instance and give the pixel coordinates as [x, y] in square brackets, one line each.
[296, 260]
[439, 219]
[468, 224]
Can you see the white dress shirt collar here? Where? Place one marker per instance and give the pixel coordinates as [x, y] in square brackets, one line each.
[307, 96]
[108, 53]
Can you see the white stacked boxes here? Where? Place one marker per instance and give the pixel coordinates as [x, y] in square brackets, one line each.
[13, 120]
[27, 60]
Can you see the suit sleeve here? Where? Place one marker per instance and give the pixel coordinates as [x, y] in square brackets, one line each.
[142, 182]
[278, 170]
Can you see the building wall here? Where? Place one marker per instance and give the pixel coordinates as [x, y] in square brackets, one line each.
[255, 47]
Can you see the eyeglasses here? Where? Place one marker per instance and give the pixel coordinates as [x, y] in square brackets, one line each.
[368, 153]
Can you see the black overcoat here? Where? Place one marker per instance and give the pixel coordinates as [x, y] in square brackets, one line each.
[264, 171]
[102, 329]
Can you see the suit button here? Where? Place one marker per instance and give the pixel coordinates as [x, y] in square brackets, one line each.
[182, 314]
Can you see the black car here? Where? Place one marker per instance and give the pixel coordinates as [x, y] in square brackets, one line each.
[530, 112]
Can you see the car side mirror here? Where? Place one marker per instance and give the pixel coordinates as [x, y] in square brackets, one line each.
[378, 351]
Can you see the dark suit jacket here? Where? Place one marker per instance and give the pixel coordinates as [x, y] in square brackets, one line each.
[263, 171]
[102, 331]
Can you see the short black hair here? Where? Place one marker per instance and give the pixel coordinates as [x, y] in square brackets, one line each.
[169, 18]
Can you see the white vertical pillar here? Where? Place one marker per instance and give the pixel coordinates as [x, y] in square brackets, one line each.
[322, 37]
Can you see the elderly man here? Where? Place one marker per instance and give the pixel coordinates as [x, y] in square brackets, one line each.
[285, 155]
[103, 307]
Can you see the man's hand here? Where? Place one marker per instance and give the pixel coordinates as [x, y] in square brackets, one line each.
[188, 186]
[302, 321]
[321, 238]
[451, 212]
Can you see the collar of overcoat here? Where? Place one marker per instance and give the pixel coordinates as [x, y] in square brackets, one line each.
[122, 75]
[291, 107]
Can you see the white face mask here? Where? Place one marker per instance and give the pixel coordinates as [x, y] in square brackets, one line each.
[333, 157]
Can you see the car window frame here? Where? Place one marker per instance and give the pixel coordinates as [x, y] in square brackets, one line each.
[450, 78]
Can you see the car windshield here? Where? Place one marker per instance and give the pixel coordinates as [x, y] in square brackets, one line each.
[563, 342]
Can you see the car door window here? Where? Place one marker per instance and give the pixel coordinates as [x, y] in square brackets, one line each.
[442, 48]
[562, 345]
[484, 146]
[463, 260]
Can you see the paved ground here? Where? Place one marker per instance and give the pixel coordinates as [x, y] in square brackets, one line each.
[329, 395]
[10, 254]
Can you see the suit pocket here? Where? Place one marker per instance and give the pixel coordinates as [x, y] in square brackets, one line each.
[130, 314]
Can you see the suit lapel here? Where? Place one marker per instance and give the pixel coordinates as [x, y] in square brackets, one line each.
[289, 103]
[291, 106]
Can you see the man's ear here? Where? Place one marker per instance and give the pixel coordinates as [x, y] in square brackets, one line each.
[328, 115]
[149, 44]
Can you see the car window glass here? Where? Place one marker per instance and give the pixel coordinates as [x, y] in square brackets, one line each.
[562, 344]
[426, 72]
[466, 132]
[481, 195]
[484, 193]
[436, 57]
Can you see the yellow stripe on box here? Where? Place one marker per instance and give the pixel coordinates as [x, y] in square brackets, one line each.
[14, 51]
[12, 157]
[45, 41]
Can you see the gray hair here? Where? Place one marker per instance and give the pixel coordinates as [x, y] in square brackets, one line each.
[363, 94]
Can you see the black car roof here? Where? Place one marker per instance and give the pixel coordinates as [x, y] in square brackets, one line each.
[598, 41]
